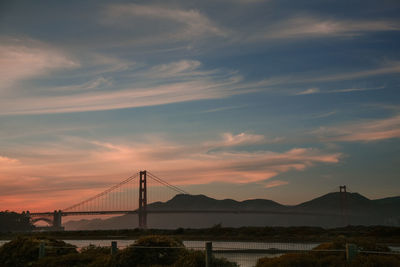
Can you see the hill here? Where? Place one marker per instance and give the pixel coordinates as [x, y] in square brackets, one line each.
[330, 210]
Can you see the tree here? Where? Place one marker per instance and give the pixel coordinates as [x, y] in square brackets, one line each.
[14, 222]
[151, 250]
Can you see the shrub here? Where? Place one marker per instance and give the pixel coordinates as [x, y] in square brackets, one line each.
[23, 251]
[150, 250]
[195, 258]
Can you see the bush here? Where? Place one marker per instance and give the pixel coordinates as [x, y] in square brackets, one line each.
[150, 250]
[195, 258]
[301, 260]
[23, 251]
[376, 261]
[318, 258]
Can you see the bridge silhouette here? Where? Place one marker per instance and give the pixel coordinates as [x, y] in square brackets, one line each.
[131, 197]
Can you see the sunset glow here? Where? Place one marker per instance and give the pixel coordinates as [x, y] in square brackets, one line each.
[225, 98]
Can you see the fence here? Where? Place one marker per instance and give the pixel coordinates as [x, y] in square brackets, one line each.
[245, 254]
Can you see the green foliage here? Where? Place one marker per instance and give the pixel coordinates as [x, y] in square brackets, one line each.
[24, 251]
[291, 260]
[91, 256]
[195, 258]
[150, 250]
[366, 244]
[95, 250]
[376, 261]
[321, 259]
[76, 260]
[14, 222]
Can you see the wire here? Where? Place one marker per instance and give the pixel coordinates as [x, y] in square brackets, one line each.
[175, 188]
[102, 193]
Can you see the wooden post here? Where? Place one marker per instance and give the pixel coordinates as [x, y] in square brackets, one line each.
[114, 248]
[42, 250]
[208, 254]
[351, 251]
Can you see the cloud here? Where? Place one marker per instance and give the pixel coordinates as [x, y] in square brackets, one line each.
[386, 68]
[177, 23]
[275, 183]
[174, 82]
[364, 131]
[309, 26]
[242, 139]
[336, 91]
[23, 59]
[5, 161]
[309, 91]
[74, 164]
[223, 109]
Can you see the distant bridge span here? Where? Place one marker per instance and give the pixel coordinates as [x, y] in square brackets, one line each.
[97, 205]
[110, 212]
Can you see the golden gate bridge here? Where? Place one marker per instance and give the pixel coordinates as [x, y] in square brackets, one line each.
[131, 196]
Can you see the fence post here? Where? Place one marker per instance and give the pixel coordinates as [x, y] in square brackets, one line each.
[208, 254]
[114, 248]
[351, 251]
[42, 250]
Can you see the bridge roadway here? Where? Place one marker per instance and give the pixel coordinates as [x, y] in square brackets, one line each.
[150, 211]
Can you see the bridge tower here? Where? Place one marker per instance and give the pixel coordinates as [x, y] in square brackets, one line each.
[143, 200]
[57, 219]
[343, 204]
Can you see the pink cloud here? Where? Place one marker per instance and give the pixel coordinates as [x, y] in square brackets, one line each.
[23, 59]
[365, 131]
[275, 183]
[76, 168]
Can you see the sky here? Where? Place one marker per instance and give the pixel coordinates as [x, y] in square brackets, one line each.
[282, 100]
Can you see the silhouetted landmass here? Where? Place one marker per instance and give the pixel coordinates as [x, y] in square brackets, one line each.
[330, 210]
[14, 222]
[380, 234]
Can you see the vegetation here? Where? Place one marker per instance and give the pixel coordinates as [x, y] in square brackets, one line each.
[320, 258]
[24, 251]
[14, 222]
[195, 258]
[380, 234]
[148, 251]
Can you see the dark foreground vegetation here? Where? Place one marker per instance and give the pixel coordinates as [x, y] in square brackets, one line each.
[318, 258]
[147, 251]
[12, 222]
[380, 234]
[158, 251]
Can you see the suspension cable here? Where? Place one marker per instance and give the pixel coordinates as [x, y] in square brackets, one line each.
[175, 188]
[103, 193]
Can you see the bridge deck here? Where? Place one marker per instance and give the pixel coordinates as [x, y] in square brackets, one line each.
[77, 213]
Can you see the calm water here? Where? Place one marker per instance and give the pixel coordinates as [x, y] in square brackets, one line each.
[243, 259]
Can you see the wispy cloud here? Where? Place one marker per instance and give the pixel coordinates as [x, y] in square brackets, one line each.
[23, 59]
[230, 139]
[385, 68]
[191, 23]
[310, 26]
[309, 91]
[223, 109]
[336, 91]
[162, 84]
[275, 183]
[364, 131]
